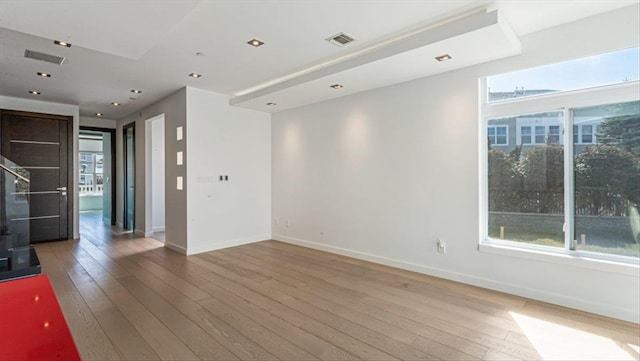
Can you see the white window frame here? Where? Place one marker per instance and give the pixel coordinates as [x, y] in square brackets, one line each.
[564, 101]
[495, 136]
[594, 133]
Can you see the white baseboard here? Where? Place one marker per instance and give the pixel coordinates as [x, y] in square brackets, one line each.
[233, 243]
[175, 248]
[158, 229]
[140, 232]
[626, 314]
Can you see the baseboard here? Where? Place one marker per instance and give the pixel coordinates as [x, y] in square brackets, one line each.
[233, 243]
[157, 229]
[175, 248]
[140, 232]
[630, 315]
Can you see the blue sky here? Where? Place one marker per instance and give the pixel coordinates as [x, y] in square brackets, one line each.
[588, 72]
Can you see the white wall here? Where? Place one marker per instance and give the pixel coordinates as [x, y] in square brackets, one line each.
[90, 145]
[234, 142]
[107, 179]
[174, 109]
[381, 175]
[156, 161]
[98, 122]
[39, 106]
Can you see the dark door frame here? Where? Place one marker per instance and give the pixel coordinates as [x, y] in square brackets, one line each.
[70, 153]
[126, 185]
[112, 132]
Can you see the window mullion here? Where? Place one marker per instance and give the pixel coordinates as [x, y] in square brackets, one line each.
[569, 238]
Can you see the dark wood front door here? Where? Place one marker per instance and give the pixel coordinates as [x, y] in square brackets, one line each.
[40, 143]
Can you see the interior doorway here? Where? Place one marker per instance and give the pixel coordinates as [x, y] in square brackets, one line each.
[97, 172]
[129, 176]
[155, 177]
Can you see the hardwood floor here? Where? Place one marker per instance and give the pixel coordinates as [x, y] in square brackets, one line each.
[126, 297]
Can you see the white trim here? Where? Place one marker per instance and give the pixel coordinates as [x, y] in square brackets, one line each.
[609, 310]
[560, 256]
[140, 232]
[569, 196]
[216, 246]
[174, 247]
[620, 93]
[158, 229]
[483, 162]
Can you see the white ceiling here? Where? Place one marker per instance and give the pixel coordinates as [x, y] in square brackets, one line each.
[119, 45]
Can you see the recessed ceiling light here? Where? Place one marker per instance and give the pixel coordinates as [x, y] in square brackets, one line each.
[271, 104]
[34, 92]
[136, 91]
[115, 104]
[62, 43]
[195, 75]
[336, 86]
[44, 75]
[98, 114]
[255, 42]
[443, 57]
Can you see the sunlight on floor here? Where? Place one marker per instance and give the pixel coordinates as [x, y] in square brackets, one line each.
[558, 342]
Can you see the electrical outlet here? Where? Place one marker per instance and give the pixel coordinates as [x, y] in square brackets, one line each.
[441, 246]
[287, 223]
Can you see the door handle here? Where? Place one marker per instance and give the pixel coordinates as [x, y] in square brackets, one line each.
[62, 189]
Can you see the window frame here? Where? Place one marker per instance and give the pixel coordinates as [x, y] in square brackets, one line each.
[495, 135]
[560, 101]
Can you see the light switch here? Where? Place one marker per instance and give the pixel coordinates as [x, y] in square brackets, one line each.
[179, 133]
[179, 158]
[179, 183]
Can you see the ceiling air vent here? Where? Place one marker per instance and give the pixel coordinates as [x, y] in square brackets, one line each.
[44, 57]
[340, 39]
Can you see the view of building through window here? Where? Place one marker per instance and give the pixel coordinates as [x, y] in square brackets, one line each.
[526, 190]
[91, 173]
[526, 180]
[605, 69]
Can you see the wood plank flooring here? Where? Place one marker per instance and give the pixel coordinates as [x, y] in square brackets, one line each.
[129, 298]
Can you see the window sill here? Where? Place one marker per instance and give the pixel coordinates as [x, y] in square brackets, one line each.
[563, 258]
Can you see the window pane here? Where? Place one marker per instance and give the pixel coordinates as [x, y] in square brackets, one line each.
[525, 135]
[575, 134]
[605, 69]
[526, 187]
[587, 134]
[540, 135]
[607, 180]
[501, 135]
[554, 134]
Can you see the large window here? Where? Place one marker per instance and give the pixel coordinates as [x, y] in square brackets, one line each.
[571, 181]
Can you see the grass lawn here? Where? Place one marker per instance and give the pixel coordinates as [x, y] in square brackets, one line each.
[547, 230]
